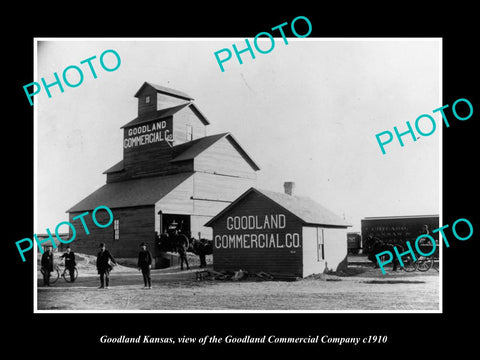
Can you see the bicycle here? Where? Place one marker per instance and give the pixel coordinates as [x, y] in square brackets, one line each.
[65, 274]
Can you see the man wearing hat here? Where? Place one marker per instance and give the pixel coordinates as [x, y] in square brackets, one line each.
[103, 265]
[70, 263]
[145, 264]
[47, 266]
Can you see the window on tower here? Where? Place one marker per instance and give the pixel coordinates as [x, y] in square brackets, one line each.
[189, 132]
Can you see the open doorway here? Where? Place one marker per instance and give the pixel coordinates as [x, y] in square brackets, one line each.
[172, 222]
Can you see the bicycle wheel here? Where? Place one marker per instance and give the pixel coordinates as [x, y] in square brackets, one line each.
[424, 264]
[54, 275]
[66, 275]
[409, 265]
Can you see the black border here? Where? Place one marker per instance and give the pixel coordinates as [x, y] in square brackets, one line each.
[430, 332]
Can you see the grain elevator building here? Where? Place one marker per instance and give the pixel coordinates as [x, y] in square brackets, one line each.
[171, 171]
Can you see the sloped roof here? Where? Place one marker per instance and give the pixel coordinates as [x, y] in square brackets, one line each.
[115, 168]
[155, 115]
[191, 149]
[136, 192]
[199, 114]
[194, 148]
[164, 90]
[305, 209]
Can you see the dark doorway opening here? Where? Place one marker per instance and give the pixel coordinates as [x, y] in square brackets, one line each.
[172, 222]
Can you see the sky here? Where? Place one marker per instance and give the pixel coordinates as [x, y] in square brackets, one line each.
[306, 112]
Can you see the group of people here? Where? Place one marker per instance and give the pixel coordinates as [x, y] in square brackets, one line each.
[173, 239]
[105, 262]
[47, 264]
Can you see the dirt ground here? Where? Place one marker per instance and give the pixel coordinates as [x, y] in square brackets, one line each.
[361, 288]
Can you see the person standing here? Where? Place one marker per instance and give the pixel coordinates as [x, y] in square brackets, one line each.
[182, 247]
[47, 266]
[145, 264]
[201, 246]
[70, 263]
[103, 266]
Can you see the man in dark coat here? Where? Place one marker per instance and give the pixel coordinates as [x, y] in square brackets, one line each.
[200, 248]
[70, 263]
[103, 266]
[145, 264]
[47, 266]
[182, 247]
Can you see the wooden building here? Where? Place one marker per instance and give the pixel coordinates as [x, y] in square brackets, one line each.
[278, 233]
[171, 171]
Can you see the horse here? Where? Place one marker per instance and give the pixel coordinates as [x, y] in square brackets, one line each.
[201, 247]
[379, 247]
[175, 242]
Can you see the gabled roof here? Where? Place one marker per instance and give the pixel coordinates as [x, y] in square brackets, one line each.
[164, 113]
[137, 192]
[199, 114]
[164, 90]
[190, 150]
[155, 115]
[194, 148]
[305, 209]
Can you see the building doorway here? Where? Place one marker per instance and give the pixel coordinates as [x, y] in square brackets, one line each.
[172, 222]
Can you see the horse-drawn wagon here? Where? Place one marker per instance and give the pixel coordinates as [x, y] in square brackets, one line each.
[384, 233]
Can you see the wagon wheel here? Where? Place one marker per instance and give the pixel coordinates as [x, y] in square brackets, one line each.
[409, 265]
[424, 264]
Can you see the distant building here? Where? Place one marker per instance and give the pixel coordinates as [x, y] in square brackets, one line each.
[171, 171]
[60, 246]
[278, 233]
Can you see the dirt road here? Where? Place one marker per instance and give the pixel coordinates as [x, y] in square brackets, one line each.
[363, 288]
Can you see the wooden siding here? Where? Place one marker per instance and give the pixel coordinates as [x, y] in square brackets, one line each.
[336, 248]
[167, 169]
[178, 201]
[275, 260]
[223, 158]
[312, 263]
[143, 107]
[166, 101]
[136, 225]
[149, 159]
[212, 191]
[203, 195]
[183, 118]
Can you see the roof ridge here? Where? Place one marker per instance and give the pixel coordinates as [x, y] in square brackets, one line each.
[316, 214]
[155, 115]
[165, 90]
